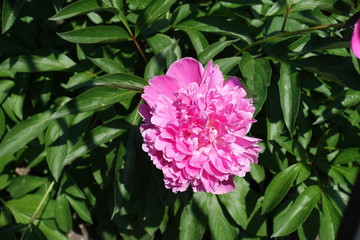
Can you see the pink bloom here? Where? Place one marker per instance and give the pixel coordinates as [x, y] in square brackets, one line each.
[195, 127]
[355, 39]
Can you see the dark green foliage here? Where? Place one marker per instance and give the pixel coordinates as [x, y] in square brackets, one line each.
[71, 76]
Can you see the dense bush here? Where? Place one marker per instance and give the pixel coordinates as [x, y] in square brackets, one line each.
[71, 76]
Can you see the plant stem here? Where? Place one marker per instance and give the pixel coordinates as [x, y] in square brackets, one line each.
[287, 34]
[133, 38]
[41, 203]
[288, 9]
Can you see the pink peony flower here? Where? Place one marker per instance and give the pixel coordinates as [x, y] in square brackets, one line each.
[355, 39]
[195, 127]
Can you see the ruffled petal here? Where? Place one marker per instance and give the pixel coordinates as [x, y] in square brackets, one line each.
[186, 71]
[233, 82]
[355, 40]
[213, 77]
[160, 85]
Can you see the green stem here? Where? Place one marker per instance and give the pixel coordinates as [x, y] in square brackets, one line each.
[41, 203]
[287, 34]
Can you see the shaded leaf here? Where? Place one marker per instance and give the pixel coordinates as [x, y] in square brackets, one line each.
[151, 13]
[96, 34]
[109, 66]
[10, 11]
[56, 138]
[95, 138]
[216, 25]
[345, 100]
[80, 7]
[22, 185]
[190, 226]
[279, 187]
[257, 73]
[44, 61]
[338, 69]
[93, 99]
[330, 221]
[290, 92]
[235, 202]
[212, 50]
[63, 214]
[80, 208]
[120, 80]
[219, 226]
[348, 155]
[299, 211]
[23, 133]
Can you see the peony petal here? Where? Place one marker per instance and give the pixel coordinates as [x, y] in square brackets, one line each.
[160, 85]
[213, 77]
[233, 82]
[224, 186]
[355, 40]
[186, 71]
[195, 128]
[144, 112]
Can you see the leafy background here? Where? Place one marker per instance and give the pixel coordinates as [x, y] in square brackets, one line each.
[71, 76]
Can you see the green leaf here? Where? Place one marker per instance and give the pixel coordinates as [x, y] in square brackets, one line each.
[96, 34]
[152, 12]
[4, 181]
[11, 228]
[10, 11]
[312, 5]
[159, 42]
[180, 13]
[25, 207]
[304, 173]
[235, 202]
[348, 155]
[43, 61]
[63, 214]
[257, 73]
[349, 173]
[120, 80]
[299, 211]
[212, 50]
[190, 226]
[304, 124]
[197, 39]
[2, 123]
[337, 69]
[216, 25]
[33, 233]
[290, 92]
[23, 133]
[56, 138]
[5, 88]
[21, 185]
[93, 99]
[80, 208]
[330, 220]
[274, 120]
[109, 66]
[220, 228]
[228, 66]
[80, 7]
[345, 100]
[279, 187]
[157, 63]
[70, 187]
[293, 147]
[95, 138]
